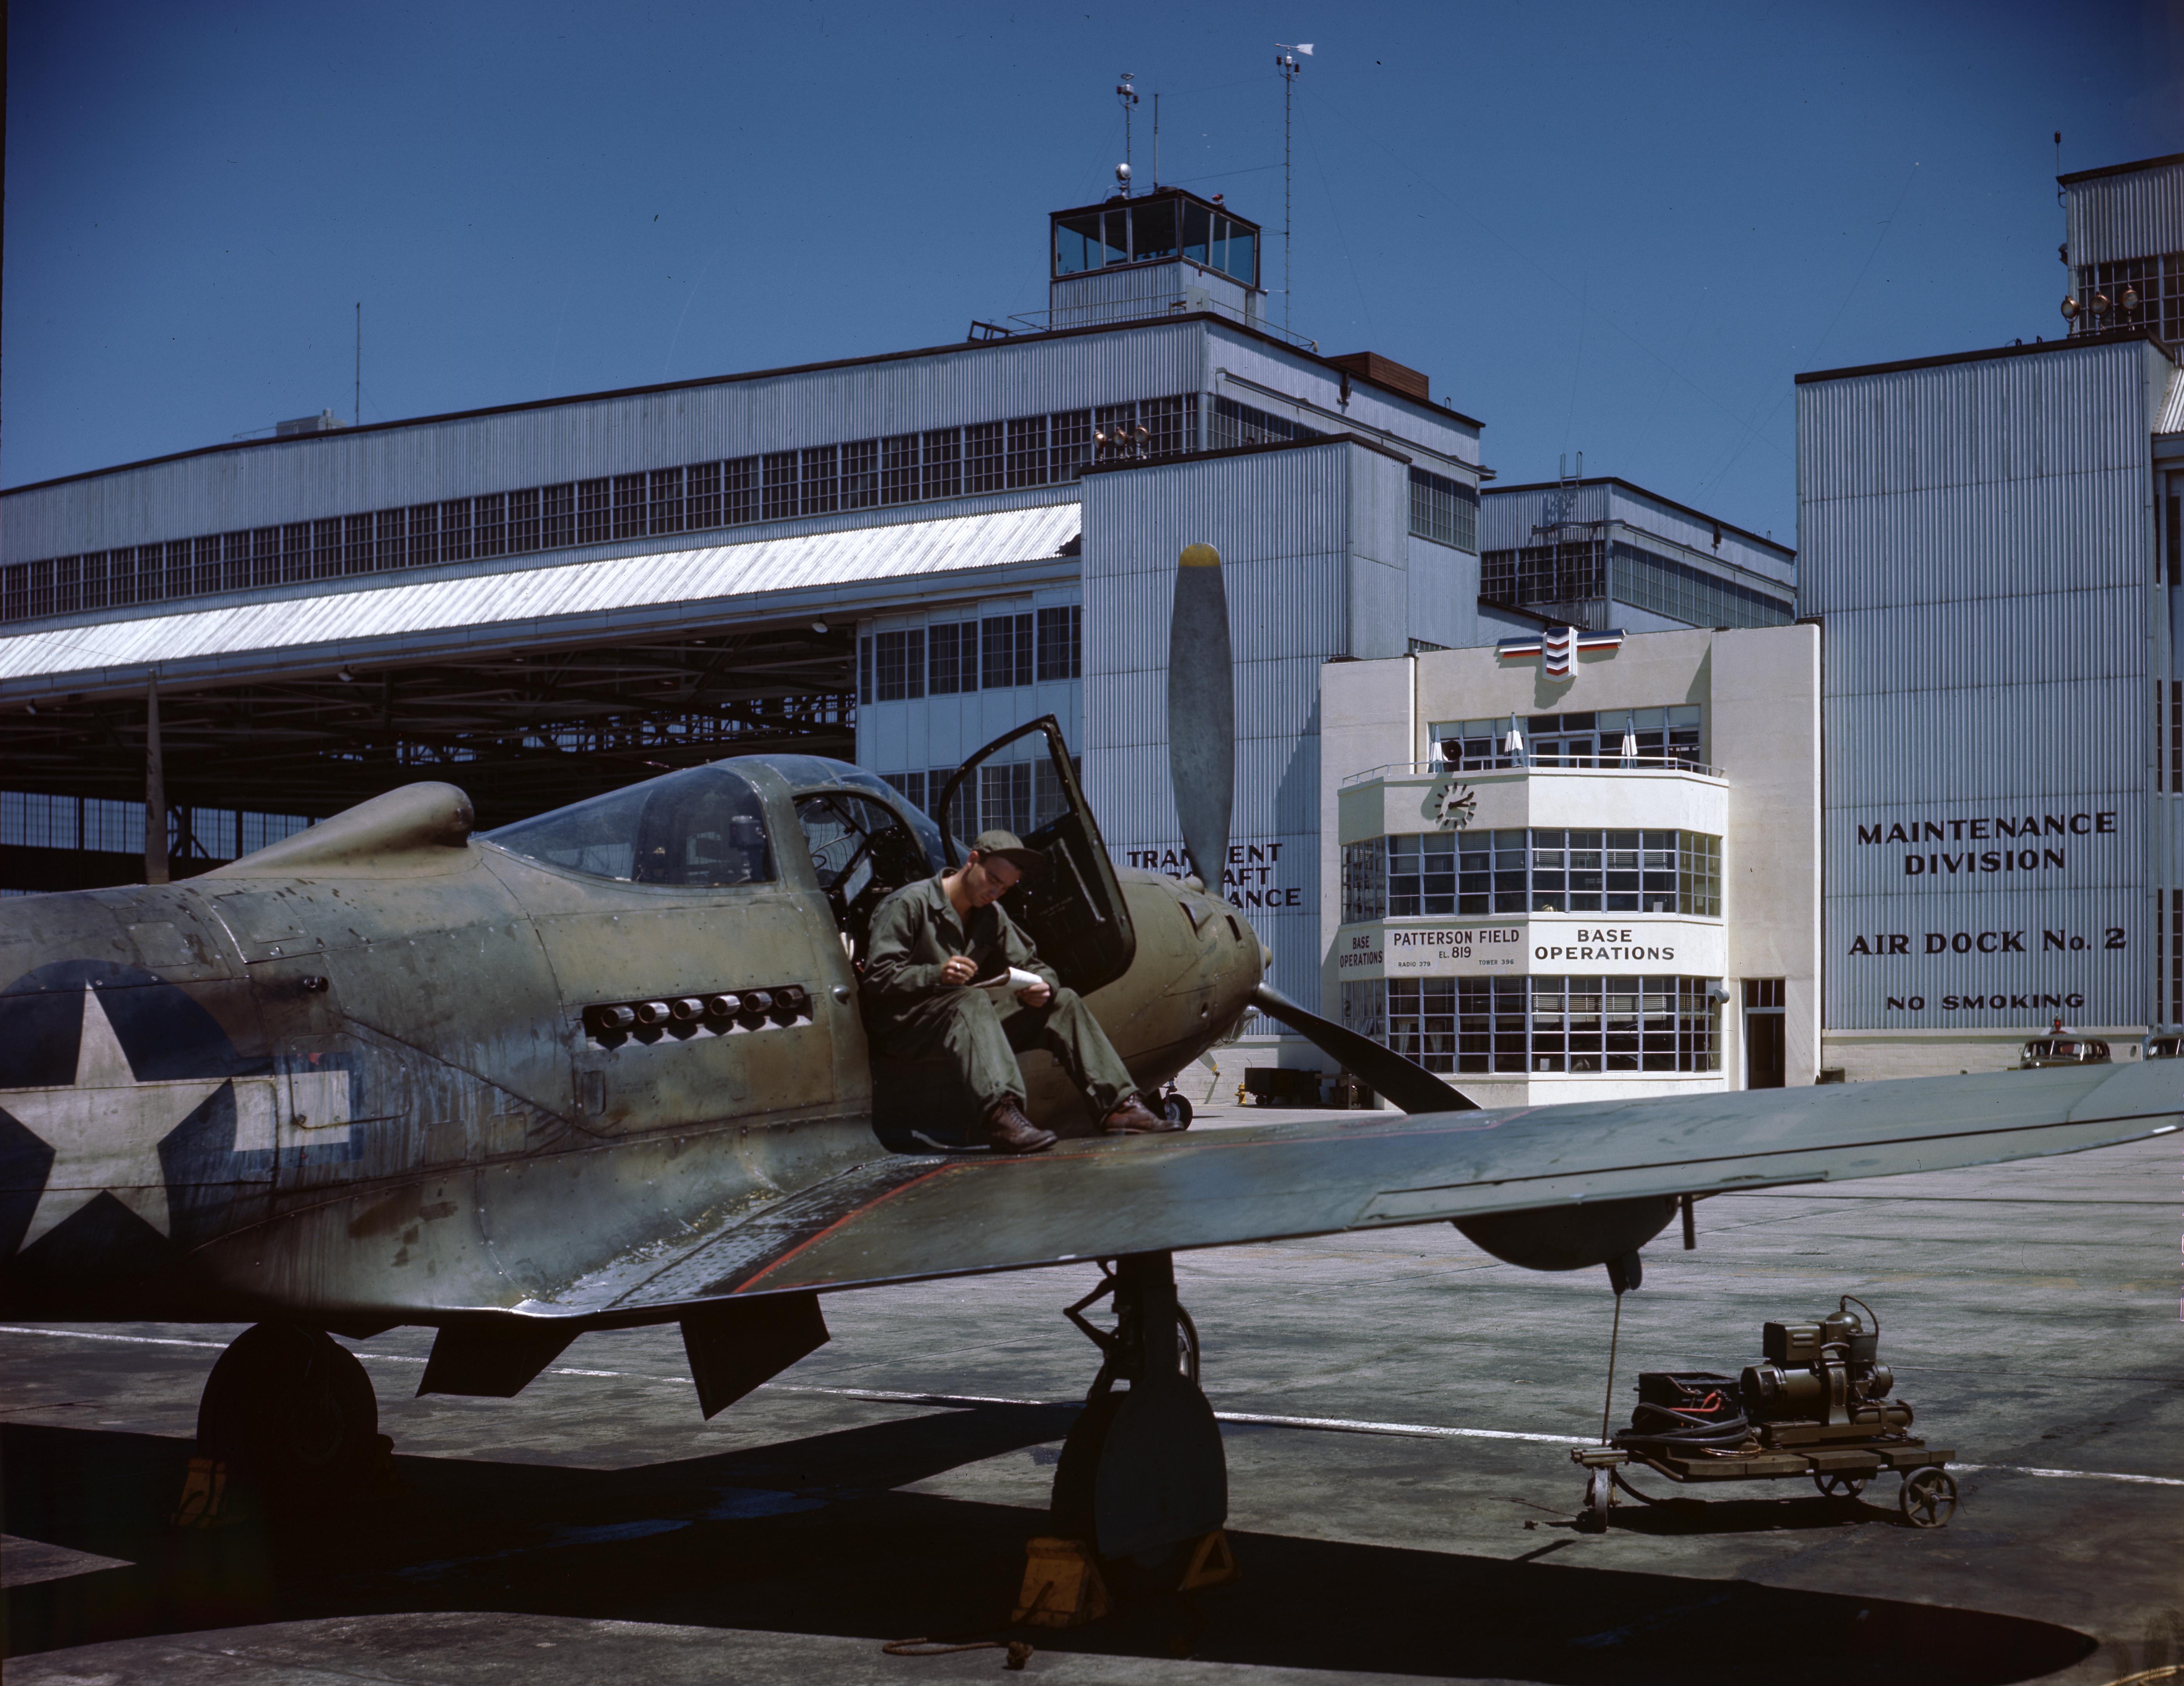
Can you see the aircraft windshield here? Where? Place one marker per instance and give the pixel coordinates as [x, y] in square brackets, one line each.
[703, 826]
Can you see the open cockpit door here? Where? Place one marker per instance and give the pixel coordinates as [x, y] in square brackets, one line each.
[1073, 911]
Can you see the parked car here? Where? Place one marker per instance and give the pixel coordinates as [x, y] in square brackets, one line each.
[2063, 1050]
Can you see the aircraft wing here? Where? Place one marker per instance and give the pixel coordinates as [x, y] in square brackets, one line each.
[900, 1219]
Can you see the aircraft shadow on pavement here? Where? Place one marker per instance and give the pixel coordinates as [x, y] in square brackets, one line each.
[808, 1536]
[1808, 1511]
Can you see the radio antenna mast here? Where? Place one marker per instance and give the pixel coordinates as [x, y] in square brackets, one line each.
[1286, 61]
[358, 412]
[1127, 96]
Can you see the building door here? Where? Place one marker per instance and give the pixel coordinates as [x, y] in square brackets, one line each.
[1765, 1064]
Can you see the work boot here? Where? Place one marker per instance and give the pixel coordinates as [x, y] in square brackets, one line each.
[1131, 1118]
[1009, 1132]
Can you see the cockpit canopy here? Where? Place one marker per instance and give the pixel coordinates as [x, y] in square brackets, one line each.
[702, 826]
[708, 826]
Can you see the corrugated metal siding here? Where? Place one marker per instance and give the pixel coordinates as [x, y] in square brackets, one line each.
[2138, 215]
[1120, 295]
[1977, 537]
[2070, 411]
[1506, 519]
[2171, 419]
[1281, 523]
[1442, 432]
[1655, 517]
[344, 473]
[258, 637]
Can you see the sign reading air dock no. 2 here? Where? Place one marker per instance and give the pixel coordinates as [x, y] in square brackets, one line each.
[1587, 945]
[1991, 913]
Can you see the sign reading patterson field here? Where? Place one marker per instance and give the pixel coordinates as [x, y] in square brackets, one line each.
[2005, 913]
[1602, 944]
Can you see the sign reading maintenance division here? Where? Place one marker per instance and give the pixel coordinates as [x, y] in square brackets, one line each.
[2009, 914]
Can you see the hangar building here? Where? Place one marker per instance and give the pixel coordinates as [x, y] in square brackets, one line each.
[891, 557]
[1991, 539]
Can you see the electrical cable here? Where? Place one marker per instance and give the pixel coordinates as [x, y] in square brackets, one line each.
[1664, 1428]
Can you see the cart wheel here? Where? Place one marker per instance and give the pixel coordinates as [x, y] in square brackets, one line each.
[1928, 1497]
[1599, 1493]
[1834, 1484]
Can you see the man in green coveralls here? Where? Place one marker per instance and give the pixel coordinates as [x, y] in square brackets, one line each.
[929, 940]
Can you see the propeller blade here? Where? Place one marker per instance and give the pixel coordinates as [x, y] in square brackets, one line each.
[1404, 1082]
[1201, 712]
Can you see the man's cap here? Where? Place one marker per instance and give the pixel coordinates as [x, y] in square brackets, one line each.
[1010, 848]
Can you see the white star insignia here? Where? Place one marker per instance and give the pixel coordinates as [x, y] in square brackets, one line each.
[105, 1128]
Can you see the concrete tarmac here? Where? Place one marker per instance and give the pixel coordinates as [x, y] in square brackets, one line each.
[1409, 1516]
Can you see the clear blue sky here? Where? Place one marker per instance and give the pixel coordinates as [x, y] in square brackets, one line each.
[1617, 229]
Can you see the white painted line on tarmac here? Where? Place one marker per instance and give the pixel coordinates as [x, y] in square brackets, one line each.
[133, 1340]
[1335, 1425]
[2073, 1474]
[1417, 1430]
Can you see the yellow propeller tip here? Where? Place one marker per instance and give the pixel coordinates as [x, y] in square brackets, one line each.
[1199, 556]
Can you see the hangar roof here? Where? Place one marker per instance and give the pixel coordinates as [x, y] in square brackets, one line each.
[396, 619]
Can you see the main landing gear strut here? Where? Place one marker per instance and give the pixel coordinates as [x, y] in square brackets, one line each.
[289, 1413]
[1142, 1478]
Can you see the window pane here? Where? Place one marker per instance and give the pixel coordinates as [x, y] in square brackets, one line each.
[983, 464]
[594, 501]
[489, 525]
[630, 506]
[393, 538]
[897, 667]
[944, 463]
[779, 485]
[1007, 656]
[899, 468]
[1070, 443]
[953, 657]
[665, 513]
[861, 475]
[702, 826]
[1114, 243]
[1061, 643]
[1241, 257]
[1197, 232]
[739, 490]
[1004, 797]
[1152, 229]
[1028, 464]
[523, 521]
[1076, 244]
[819, 467]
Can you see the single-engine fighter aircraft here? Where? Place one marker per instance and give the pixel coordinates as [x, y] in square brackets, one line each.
[605, 1068]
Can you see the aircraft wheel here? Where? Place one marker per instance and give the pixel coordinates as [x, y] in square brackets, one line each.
[291, 1410]
[1186, 1346]
[1175, 1109]
[1077, 1474]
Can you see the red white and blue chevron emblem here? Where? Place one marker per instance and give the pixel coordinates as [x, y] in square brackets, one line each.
[1559, 646]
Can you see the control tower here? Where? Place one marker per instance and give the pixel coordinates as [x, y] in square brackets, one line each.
[1166, 252]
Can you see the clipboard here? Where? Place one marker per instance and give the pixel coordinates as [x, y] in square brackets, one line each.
[1009, 981]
